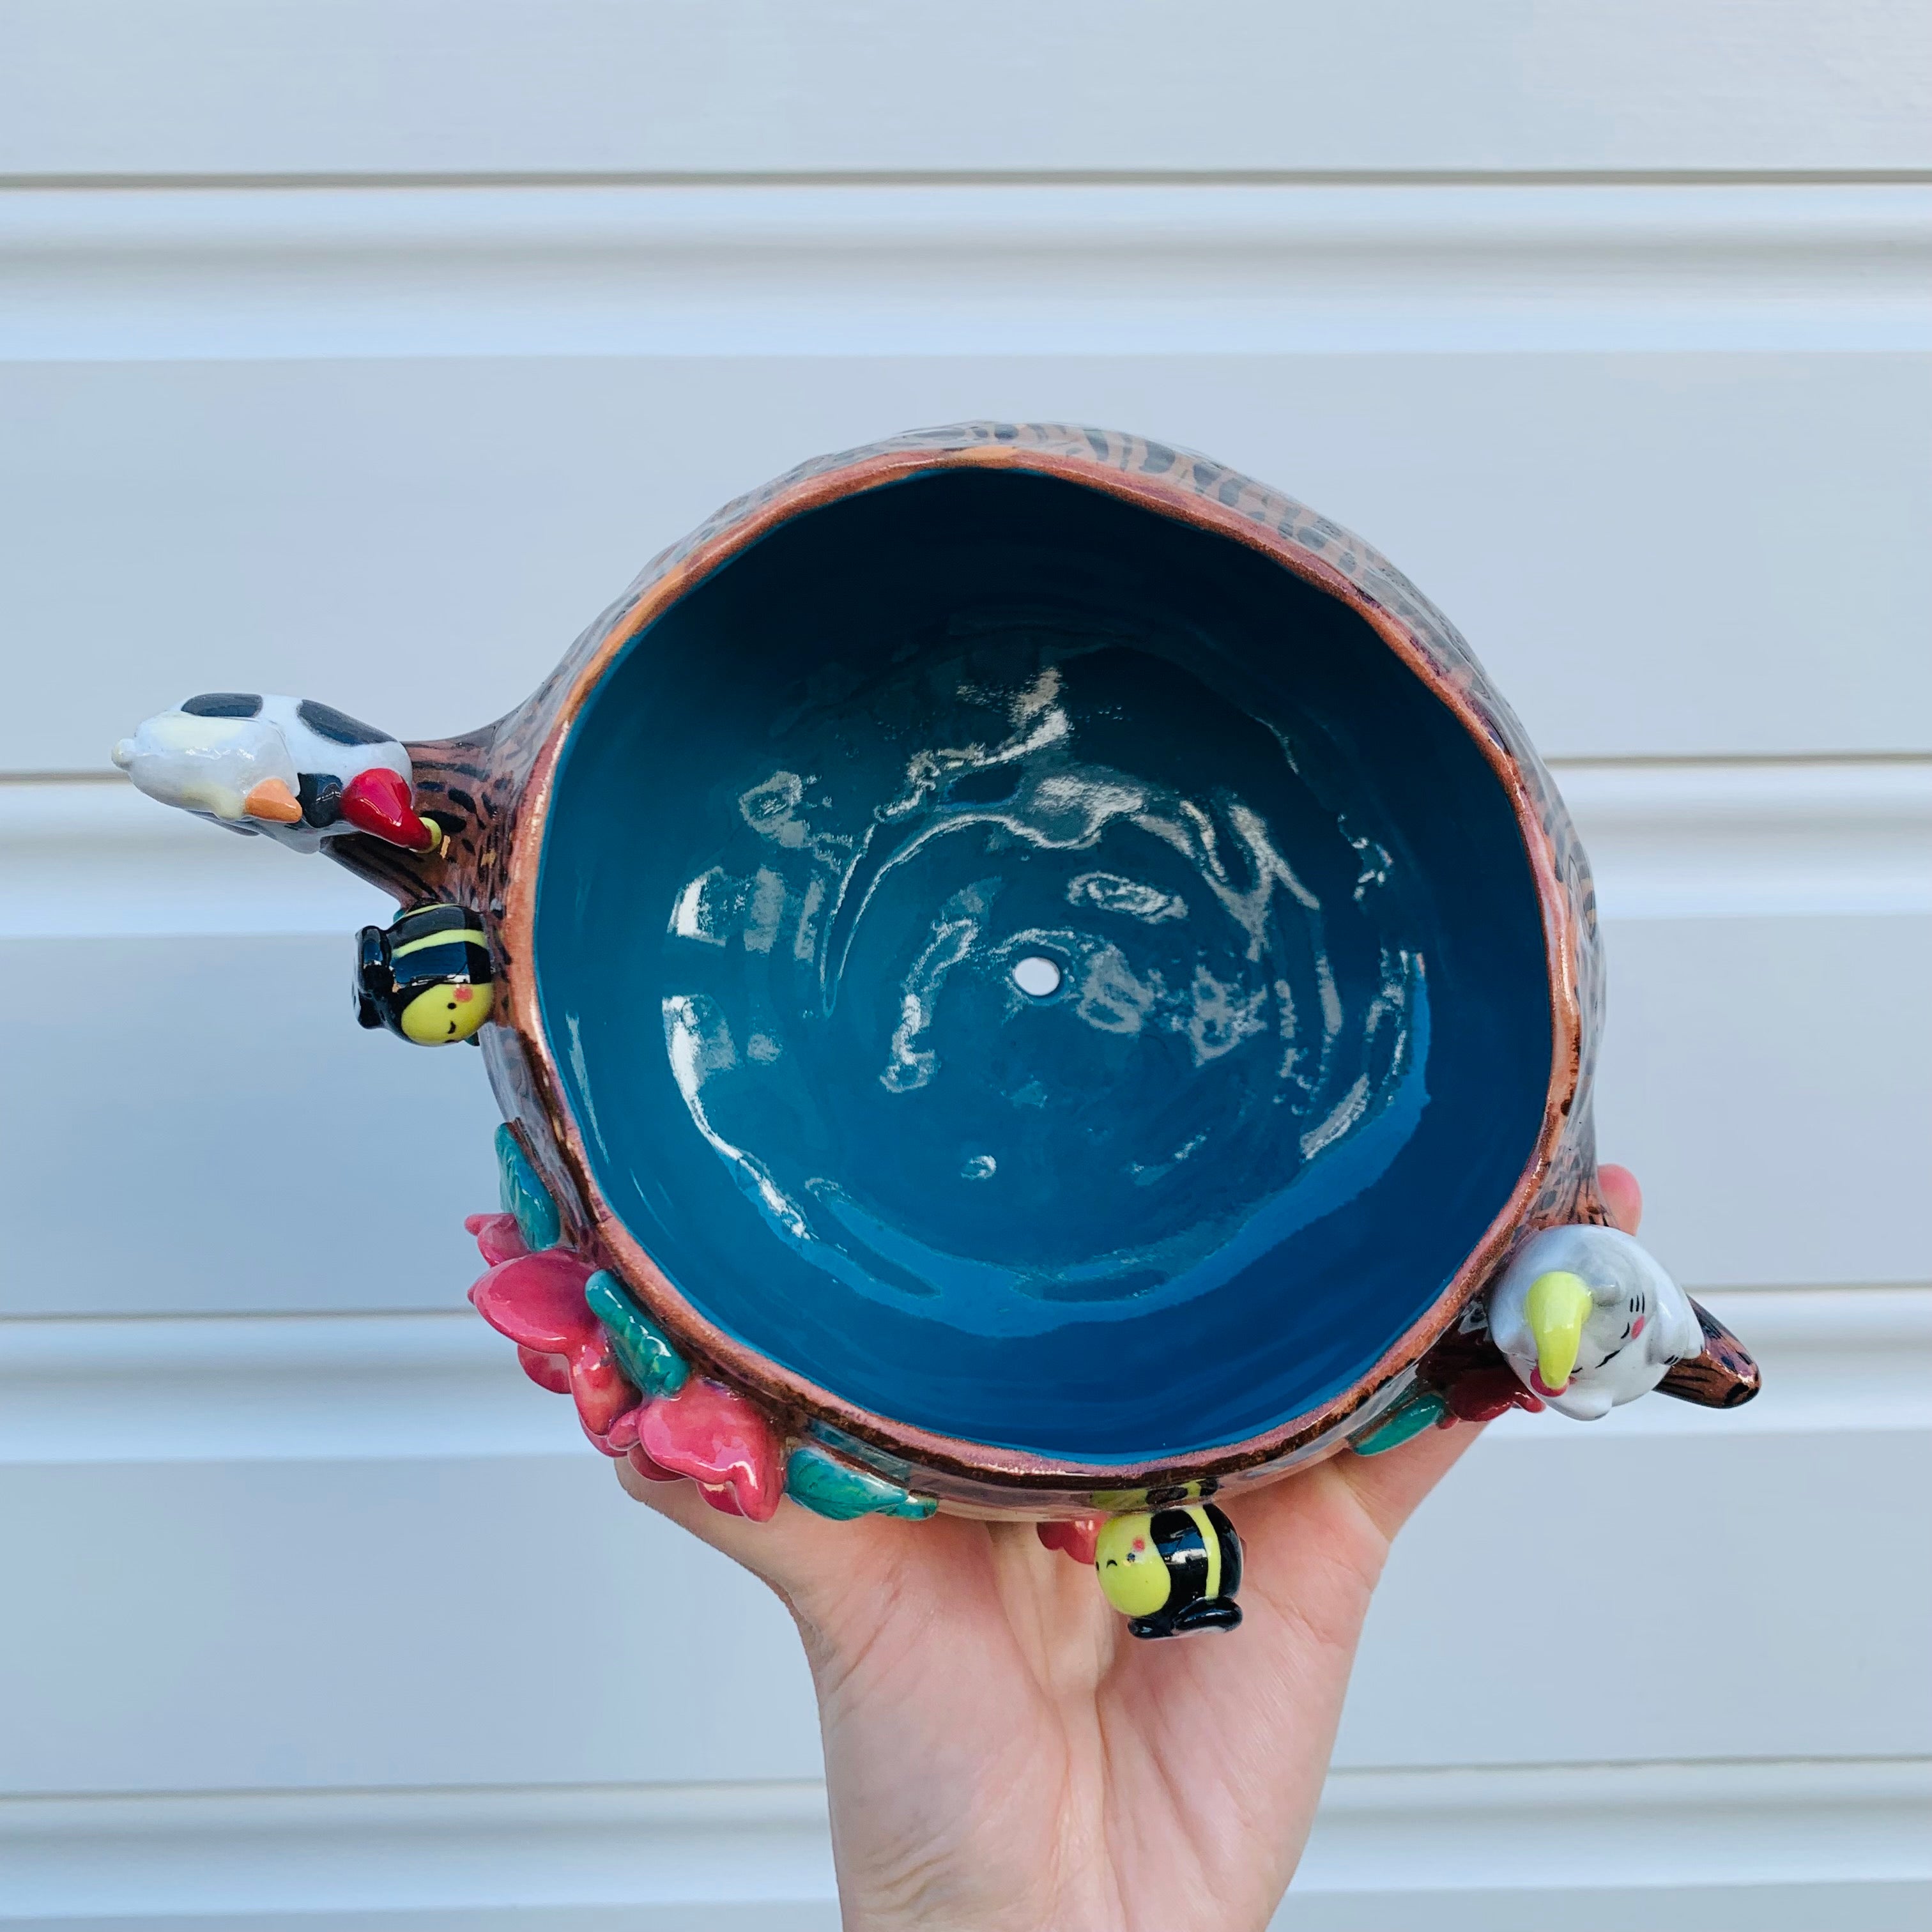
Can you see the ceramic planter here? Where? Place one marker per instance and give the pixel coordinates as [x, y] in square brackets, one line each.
[1025, 971]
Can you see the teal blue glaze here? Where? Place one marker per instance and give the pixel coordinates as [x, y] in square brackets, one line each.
[524, 1195]
[815, 816]
[649, 1363]
[849, 1448]
[827, 1487]
[1421, 1409]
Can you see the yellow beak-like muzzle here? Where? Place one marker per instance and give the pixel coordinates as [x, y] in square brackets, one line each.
[1557, 1306]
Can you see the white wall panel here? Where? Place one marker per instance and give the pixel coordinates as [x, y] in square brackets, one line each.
[392, 1387]
[227, 1625]
[1754, 839]
[371, 1624]
[496, 86]
[199, 1124]
[368, 350]
[722, 1859]
[1769, 1082]
[93, 858]
[207, 1110]
[1774, 1847]
[1653, 554]
[1760, 1591]
[1718, 1848]
[87, 857]
[360, 1605]
[960, 268]
[351, 1637]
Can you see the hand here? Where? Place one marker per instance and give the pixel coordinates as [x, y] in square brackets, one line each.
[1002, 1756]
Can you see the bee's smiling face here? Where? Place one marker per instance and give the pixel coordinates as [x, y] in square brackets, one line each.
[441, 1014]
[1132, 1574]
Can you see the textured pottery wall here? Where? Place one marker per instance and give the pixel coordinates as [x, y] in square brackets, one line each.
[373, 349]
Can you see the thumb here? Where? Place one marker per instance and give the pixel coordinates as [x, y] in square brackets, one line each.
[808, 1560]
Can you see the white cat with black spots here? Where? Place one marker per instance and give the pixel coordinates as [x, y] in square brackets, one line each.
[297, 770]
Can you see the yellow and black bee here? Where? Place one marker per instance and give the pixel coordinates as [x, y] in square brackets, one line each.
[427, 978]
[1172, 1571]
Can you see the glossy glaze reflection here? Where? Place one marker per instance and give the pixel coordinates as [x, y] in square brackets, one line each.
[1039, 972]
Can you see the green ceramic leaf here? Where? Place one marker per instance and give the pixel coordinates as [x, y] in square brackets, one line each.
[649, 1363]
[524, 1195]
[828, 1487]
[1417, 1410]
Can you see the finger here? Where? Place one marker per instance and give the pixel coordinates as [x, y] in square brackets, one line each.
[1391, 1486]
[1378, 1493]
[798, 1554]
[751, 1544]
[1315, 1544]
[1621, 1195]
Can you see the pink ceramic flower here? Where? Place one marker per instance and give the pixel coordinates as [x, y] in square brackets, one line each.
[1077, 1536]
[723, 1442]
[497, 1238]
[538, 1301]
[709, 1432]
[1481, 1395]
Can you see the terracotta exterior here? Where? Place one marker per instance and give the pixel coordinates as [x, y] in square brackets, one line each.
[493, 788]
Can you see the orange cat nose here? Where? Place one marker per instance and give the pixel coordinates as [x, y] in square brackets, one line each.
[271, 799]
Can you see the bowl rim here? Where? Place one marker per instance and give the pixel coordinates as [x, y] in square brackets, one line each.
[1193, 490]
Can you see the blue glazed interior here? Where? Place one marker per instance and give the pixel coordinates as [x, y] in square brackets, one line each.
[813, 818]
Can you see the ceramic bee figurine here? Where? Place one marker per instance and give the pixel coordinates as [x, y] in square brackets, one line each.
[1589, 1321]
[1172, 1571]
[427, 978]
[299, 771]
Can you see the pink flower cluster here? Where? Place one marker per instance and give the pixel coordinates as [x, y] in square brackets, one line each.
[706, 1431]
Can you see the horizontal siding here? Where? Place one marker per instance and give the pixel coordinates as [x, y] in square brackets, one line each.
[206, 1109]
[1776, 1847]
[1756, 1074]
[89, 857]
[366, 351]
[960, 268]
[1655, 555]
[399, 1388]
[209, 1113]
[365, 1622]
[412, 86]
